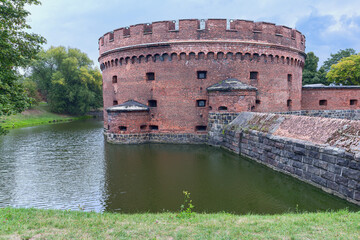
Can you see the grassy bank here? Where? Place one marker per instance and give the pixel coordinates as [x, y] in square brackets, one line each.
[55, 224]
[37, 115]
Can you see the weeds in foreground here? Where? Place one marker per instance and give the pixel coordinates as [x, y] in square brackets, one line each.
[186, 209]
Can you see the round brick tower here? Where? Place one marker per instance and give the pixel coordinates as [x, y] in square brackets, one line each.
[165, 77]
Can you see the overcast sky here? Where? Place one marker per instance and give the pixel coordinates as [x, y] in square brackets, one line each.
[329, 25]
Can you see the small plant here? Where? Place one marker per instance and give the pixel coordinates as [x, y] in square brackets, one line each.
[187, 207]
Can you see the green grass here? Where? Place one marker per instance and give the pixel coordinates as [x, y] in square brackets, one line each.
[37, 115]
[56, 224]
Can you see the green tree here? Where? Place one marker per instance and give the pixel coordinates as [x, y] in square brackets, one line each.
[346, 71]
[68, 80]
[335, 58]
[310, 69]
[18, 47]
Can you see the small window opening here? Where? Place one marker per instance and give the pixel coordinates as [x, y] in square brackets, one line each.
[200, 128]
[257, 101]
[152, 103]
[222, 108]
[289, 78]
[323, 102]
[210, 107]
[254, 75]
[201, 103]
[154, 127]
[108, 127]
[289, 102]
[115, 102]
[150, 76]
[122, 128]
[201, 74]
[143, 127]
[252, 108]
[114, 79]
[353, 102]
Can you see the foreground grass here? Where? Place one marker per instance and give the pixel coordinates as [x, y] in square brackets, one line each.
[37, 115]
[56, 224]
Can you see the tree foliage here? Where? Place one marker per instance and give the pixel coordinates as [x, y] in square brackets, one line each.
[17, 48]
[310, 73]
[346, 71]
[335, 58]
[67, 80]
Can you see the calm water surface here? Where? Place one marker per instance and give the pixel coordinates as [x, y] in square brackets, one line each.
[67, 166]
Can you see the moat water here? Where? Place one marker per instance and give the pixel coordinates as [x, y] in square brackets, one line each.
[69, 166]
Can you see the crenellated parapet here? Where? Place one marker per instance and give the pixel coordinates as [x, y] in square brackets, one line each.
[194, 30]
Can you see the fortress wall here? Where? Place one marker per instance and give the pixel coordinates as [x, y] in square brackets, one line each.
[210, 29]
[337, 98]
[176, 87]
[322, 152]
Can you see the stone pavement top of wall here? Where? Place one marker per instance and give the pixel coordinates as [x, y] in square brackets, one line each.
[336, 133]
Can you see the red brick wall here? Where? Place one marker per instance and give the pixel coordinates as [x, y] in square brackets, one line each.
[222, 53]
[337, 98]
[237, 101]
[132, 120]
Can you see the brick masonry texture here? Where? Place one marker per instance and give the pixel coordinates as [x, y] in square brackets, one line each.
[316, 161]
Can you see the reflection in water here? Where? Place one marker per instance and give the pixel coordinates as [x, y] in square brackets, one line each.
[69, 165]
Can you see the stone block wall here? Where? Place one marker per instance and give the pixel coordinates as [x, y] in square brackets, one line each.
[216, 123]
[327, 166]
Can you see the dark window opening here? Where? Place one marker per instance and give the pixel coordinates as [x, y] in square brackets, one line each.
[210, 107]
[289, 77]
[252, 108]
[257, 101]
[108, 127]
[114, 79]
[222, 108]
[154, 127]
[323, 102]
[254, 75]
[201, 74]
[115, 102]
[152, 103]
[201, 103]
[289, 102]
[353, 102]
[122, 128]
[150, 76]
[143, 127]
[200, 128]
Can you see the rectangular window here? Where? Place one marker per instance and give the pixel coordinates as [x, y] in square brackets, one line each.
[254, 75]
[289, 77]
[222, 108]
[115, 102]
[323, 102]
[152, 103]
[200, 128]
[143, 127]
[200, 103]
[289, 102]
[154, 127]
[201, 74]
[122, 128]
[114, 79]
[150, 76]
[353, 102]
[257, 101]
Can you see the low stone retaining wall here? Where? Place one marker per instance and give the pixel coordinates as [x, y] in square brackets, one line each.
[156, 138]
[262, 137]
[341, 114]
[216, 123]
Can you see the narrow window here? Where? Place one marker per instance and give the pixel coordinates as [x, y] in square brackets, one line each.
[222, 108]
[122, 128]
[289, 77]
[108, 127]
[353, 102]
[200, 128]
[289, 102]
[115, 102]
[143, 127]
[257, 101]
[323, 102]
[114, 79]
[201, 74]
[154, 127]
[254, 75]
[152, 103]
[201, 103]
[150, 76]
